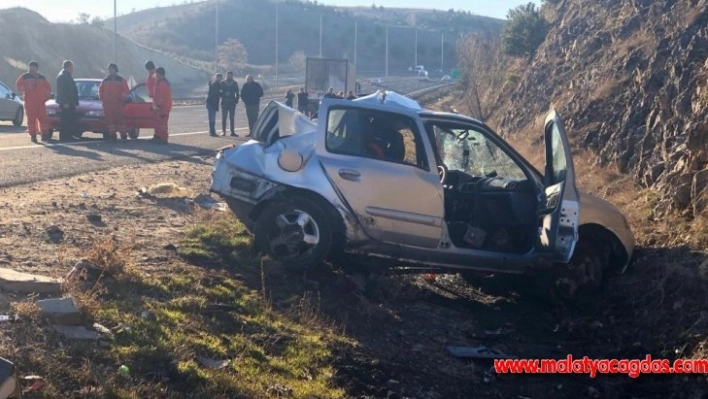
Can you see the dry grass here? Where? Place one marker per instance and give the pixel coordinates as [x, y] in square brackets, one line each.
[166, 322]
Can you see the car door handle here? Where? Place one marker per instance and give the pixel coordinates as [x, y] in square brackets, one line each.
[349, 174]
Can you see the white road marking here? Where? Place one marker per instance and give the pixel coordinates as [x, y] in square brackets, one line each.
[99, 141]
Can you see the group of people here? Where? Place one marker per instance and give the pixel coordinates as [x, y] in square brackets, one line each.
[226, 93]
[113, 93]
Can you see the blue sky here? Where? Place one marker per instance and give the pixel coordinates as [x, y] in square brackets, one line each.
[60, 11]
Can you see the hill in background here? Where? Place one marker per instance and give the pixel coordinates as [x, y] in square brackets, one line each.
[188, 31]
[28, 36]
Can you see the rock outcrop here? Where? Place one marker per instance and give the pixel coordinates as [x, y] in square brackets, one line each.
[630, 78]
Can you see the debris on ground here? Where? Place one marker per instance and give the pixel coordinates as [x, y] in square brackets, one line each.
[213, 364]
[56, 235]
[14, 281]
[167, 190]
[94, 218]
[62, 310]
[208, 202]
[77, 332]
[85, 270]
[477, 352]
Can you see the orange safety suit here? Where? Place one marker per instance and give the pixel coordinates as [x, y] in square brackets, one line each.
[112, 92]
[162, 101]
[150, 83]
[35, 91]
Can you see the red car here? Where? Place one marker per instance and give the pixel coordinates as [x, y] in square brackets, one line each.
[138, 110]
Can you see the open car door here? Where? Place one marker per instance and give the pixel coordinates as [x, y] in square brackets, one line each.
[138, 110]
[561, 209]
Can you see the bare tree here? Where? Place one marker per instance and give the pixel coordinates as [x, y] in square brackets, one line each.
[232, 54]
[298, 61]
[481, 58]
[84, 18]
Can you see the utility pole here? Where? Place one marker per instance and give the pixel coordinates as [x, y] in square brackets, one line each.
[276, 45]
[442, 51]
[115, 30]
[216, 38]
[355, 39]
[387, 51]
[320, 36]
[415, 63]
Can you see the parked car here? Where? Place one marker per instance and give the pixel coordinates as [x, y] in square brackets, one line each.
[375, 82]
[446, 78]
[11, 106]
[138, 110]
[380, 176]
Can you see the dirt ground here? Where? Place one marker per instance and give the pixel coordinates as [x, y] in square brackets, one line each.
[401, 324]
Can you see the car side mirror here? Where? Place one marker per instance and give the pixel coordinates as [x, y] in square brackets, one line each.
[13, 95]
[52, 96]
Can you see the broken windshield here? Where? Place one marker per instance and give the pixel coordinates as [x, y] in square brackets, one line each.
[467, 150]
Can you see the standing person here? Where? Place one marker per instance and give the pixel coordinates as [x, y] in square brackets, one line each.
[113, 91]
[302, 99]
[35, 89]
[68, 100]
[289, 96]
[351, 95]
[162, 104]
[151, 79]
[330, 93]
[229, 98]
[212, 102]
[251, 94]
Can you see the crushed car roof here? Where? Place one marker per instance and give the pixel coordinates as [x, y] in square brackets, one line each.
[390, 98]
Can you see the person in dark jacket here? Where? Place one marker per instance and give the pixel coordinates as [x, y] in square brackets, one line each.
[251, 94]
[229, 98]
[68, 99]
[351, 96]
[302, 99]
[289, 96]
[212, 102]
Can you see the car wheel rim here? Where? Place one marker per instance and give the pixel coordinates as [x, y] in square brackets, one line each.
[296, 234]
[580, 275]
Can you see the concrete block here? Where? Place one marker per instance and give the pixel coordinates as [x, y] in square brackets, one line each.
[14, 281]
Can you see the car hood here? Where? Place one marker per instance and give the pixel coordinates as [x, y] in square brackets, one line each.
[84, 105]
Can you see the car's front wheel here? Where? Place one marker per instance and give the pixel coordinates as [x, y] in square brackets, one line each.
[134, 133]
[19, 117]
[579, 280]
[295, 232]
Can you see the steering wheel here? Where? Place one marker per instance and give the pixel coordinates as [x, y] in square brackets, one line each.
[442, 172]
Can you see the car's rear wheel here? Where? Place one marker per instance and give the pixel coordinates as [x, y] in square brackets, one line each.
[19, 117]
[579, 280]
[133, 134]
[295, 232]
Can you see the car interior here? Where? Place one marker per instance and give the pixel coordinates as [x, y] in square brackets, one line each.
[490, 203]
[373, 134]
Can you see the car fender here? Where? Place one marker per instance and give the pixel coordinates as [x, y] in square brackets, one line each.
[598, 216]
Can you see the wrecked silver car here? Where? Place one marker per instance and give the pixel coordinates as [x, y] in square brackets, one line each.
[381, 176]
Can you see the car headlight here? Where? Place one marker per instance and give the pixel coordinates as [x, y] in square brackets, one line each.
[95, 114]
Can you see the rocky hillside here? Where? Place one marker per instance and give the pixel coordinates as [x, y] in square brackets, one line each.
[631, 79]
[27, 36]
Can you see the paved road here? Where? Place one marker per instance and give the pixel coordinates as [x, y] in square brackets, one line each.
[23, 162]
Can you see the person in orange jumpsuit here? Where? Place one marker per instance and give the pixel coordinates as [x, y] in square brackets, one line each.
[162, 105]
[35, 89]
[151, 79]
[113, 92]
